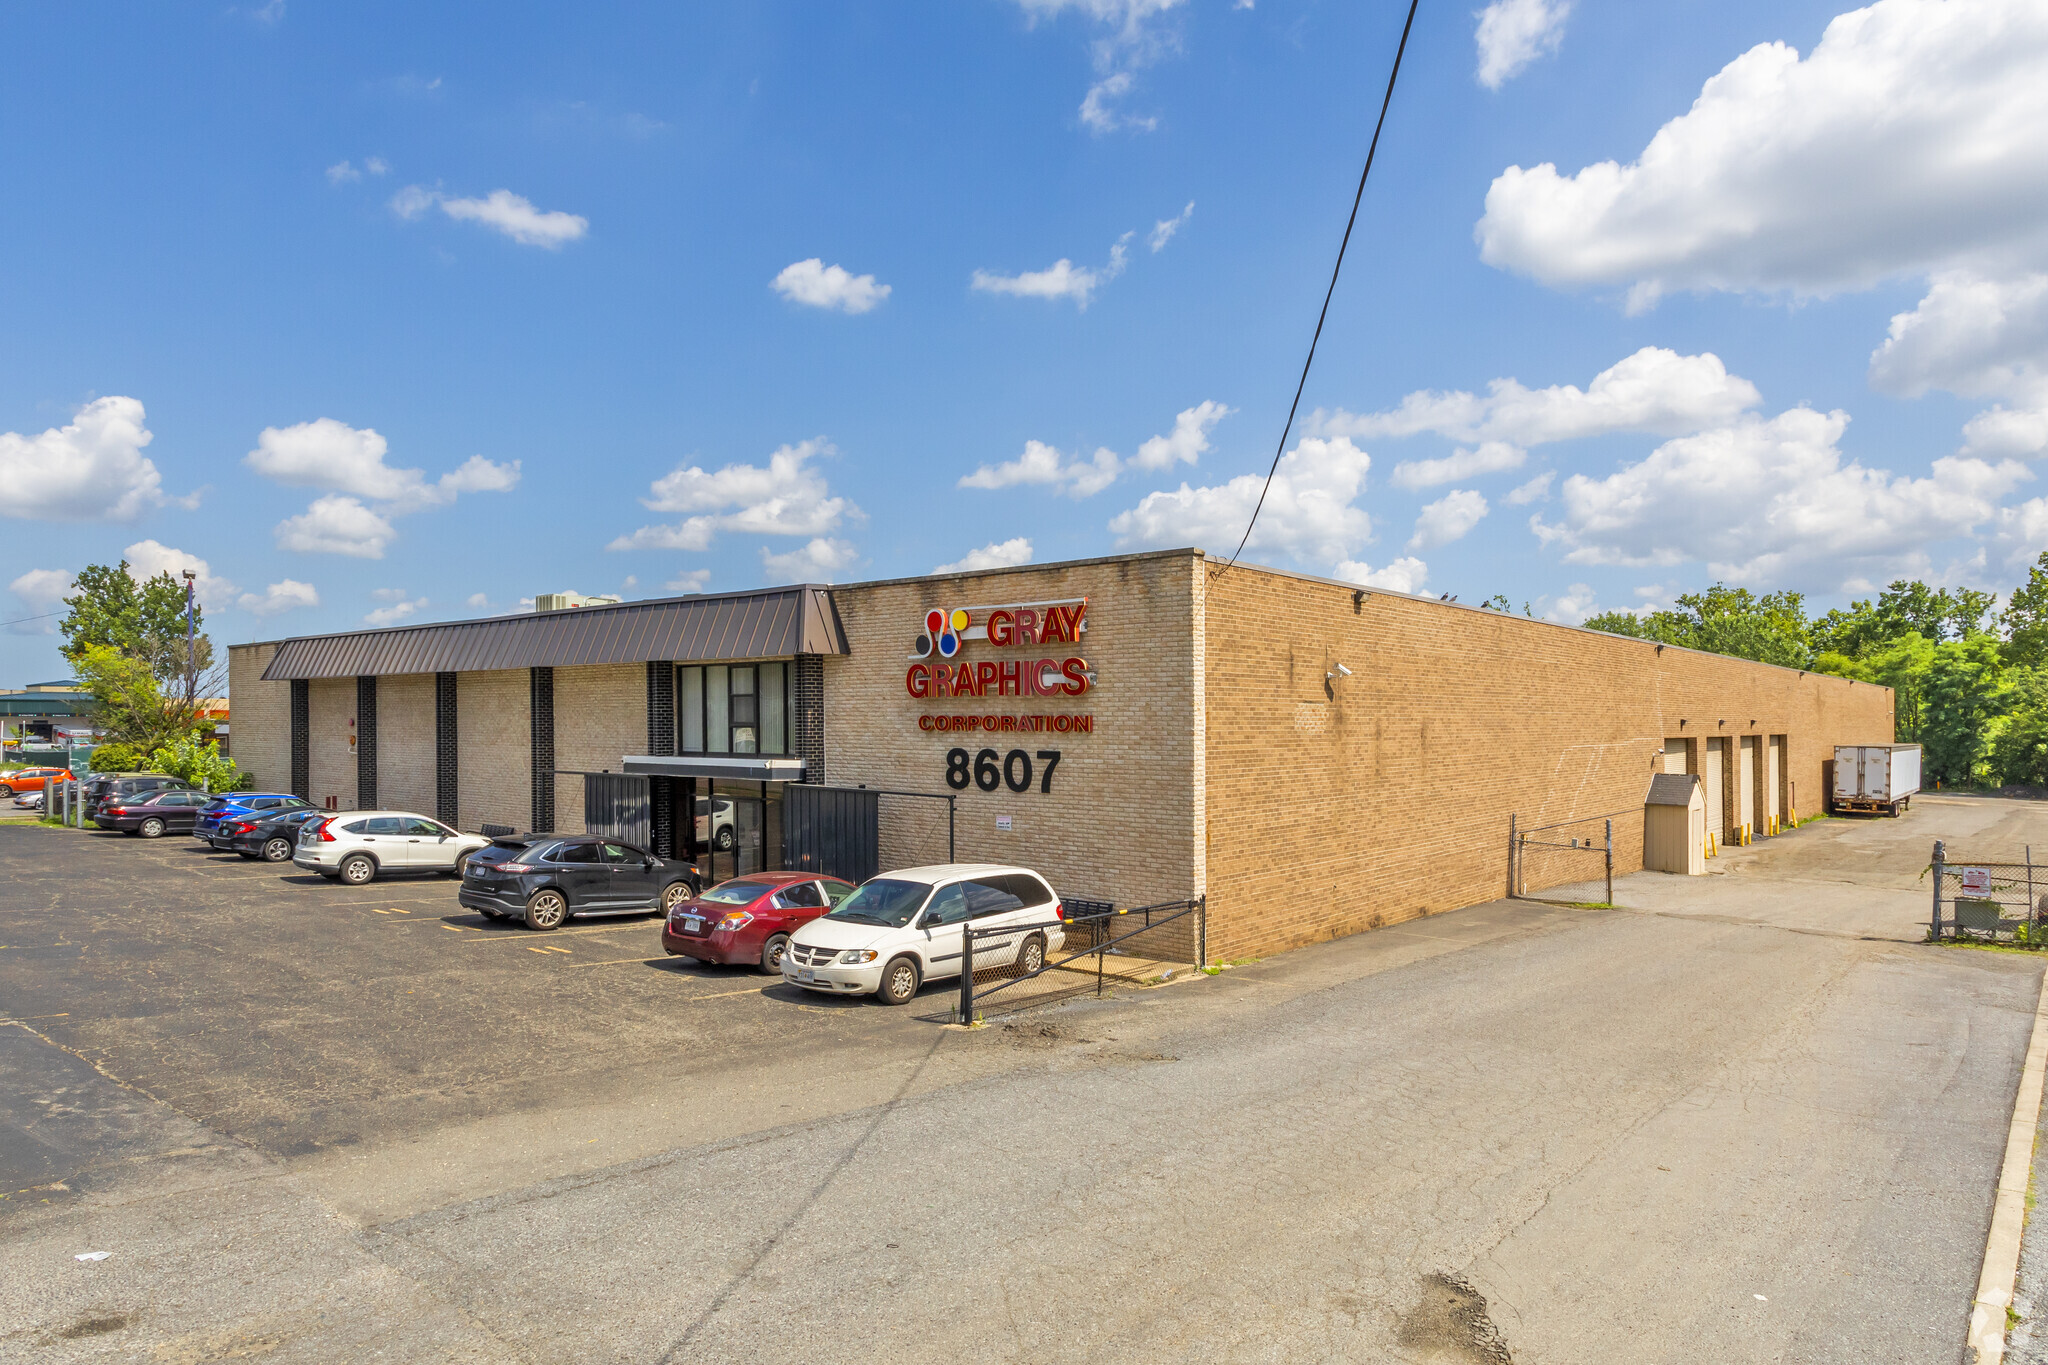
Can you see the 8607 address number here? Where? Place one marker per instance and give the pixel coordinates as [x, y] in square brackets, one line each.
[989, 770]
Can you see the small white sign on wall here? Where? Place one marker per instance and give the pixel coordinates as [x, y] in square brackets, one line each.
[1003, 822]
[1976, 880]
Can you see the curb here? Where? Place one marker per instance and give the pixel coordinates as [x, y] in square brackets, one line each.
[1985, 1344]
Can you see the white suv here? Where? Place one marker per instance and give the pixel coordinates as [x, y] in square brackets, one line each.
[904, 928]
[360, 844]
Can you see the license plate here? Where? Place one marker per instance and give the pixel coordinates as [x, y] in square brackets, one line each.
[691, 926]
[806, 974]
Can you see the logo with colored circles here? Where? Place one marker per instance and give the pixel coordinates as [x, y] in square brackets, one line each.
[941, 632]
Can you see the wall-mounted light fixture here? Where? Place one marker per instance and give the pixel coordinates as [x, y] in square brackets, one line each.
[1358, 597]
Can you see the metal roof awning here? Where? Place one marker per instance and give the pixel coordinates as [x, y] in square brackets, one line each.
[771, 624]
[724, 767]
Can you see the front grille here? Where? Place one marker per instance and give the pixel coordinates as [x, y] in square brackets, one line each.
[805, 955]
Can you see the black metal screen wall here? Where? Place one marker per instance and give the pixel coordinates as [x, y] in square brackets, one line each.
[661, 739]
[366, 743]
[616, 806]
[809, 687]
[833, 831]
[302, 739]
[444, 748]
[542, 711]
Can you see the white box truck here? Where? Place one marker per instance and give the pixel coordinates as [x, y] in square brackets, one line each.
[1876, 777]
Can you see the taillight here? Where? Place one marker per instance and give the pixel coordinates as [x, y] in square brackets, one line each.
[1059, 911]
[513, 867]
[325, 836]
[739, 919]
[242, 828]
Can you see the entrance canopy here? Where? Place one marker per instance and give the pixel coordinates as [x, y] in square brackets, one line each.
[723, 767]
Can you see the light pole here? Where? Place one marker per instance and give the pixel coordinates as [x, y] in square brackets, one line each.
[191, 657]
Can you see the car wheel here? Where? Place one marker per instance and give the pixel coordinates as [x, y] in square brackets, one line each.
[722, 841]
[1031, 956]
[461, 867]
[900, 980]
[674, 895]
[547, 910]
[771, 953]
[358, 868]
[152, 828]
[277, 851]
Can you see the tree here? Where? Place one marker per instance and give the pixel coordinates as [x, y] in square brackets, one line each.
[2019, 753]
[129, 703]
[1906, 607]
[1723, 620]
[200, 764]
[1902, 665]
[2026, 618]
[1966, 692]
[141, 620]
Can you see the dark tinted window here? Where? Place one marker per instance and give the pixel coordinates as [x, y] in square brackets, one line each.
[574, 853]
[423, 829]
[990, 898]
[357, 827]
[1028, 890]
[949, 906]
[800, 896]
[621, 853]
[836, 891]
[384, 824]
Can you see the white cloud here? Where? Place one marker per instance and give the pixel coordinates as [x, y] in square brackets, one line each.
[1308, 513]
[1655, 390]
[1972, 336]
[817, 285]
[1163, 230]
[399, 609]
[1514, 33]
[90, 470]
[1572, 606]
[41, 593]
[280, 597]
[1407, 574]
[501, 211]
[343, 173]
[376, 165]
[1131, 36]
[2003, 431]
[148, 558]
[1186, 442]
[1535, 490]
[820, 561]
[1447, 519]
[1913, 138]
[1060, 280]
[1098, 114]
[692, 580]
[1491, 457]
[1771, 501]
[332, 455]
[479, 601]
[1043, 464]
[336, 525]
[1005, 554]
[787, 498]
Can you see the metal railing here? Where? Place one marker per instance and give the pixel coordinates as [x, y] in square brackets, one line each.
[1995, 902]
[1000, 946]
[1520, 841]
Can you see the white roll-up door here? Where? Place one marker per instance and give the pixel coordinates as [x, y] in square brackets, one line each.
[1745, 784]
[1710, 778]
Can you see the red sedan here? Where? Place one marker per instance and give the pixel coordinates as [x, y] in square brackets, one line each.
[749, 919]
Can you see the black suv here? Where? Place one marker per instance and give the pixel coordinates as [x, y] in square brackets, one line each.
[130, 787]
[545, 878]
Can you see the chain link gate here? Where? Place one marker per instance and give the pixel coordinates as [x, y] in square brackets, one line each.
[1989, 902]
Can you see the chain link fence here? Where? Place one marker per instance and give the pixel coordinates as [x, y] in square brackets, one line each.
[1983, 901]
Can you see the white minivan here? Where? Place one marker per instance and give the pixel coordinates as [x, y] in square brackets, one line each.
[902, 929]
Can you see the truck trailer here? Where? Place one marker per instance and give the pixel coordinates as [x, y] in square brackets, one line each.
[1876, 777]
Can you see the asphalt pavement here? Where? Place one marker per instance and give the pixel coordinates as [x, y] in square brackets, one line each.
[310, 1122]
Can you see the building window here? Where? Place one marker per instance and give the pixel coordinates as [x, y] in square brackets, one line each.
[733, 708]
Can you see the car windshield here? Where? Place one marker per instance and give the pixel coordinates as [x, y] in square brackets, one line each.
[735, 893]
[883, 901]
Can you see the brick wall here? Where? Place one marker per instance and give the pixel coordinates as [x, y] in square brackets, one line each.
[600, 717]
[330, 718]
[495, 749]
[1122, 818]
[1388, 795]
[405, 742]
[259, 719]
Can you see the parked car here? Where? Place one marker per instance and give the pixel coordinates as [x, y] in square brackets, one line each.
[749, 919]
[30, 801]
[269, 835]
[117, 786]
[543, 879]
[715, 822]
[152, 813]
[902, 929]
[232, 806]
[361, 845]
[23, 780]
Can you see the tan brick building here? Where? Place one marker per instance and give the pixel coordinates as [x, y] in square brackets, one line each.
[1314, 757]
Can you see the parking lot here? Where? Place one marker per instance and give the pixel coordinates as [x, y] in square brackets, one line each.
[309, 1122]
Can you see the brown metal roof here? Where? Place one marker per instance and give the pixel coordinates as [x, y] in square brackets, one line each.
[769, 624]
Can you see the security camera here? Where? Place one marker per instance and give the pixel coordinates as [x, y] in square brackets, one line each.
[1342, 671]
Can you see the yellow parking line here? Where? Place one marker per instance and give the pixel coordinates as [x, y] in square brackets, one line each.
[547, 950]
[615, 961]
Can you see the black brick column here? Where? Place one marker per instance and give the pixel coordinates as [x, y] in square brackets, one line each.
[542, 711]
[809, 686]
[661, 739]
[302, 739]
[366, 743]
[444, 748]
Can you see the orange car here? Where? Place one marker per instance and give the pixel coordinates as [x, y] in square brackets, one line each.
[19, 780]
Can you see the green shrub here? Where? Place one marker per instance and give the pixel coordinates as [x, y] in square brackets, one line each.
[116, 758]
[200, 764]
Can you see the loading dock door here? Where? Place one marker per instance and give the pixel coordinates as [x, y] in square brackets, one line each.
[1674, 756]
[1745, 783]
[1774, 779]
[1711, 765]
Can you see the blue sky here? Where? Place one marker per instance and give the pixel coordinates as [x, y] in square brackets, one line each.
[425, 312]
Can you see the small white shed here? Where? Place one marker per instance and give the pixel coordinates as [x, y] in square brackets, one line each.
[1675, 825]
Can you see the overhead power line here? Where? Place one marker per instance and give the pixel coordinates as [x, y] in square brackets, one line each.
[1349, 223]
